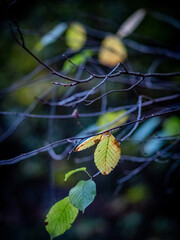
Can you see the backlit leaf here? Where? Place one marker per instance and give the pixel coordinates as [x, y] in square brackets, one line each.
[90, 142]
[83, 194]
[60, 217]
[74, 171]
[112, 51]
[107, 154]
[76, 36]
[77, 59]
[112, 119]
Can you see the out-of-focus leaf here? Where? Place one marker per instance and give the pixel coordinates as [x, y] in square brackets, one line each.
[172, 125]
[112, 119]
[146, 129]
[77, 59]
[131, 23]
[51, 36]
[27, 95]
[153, 145]
[83, 194]
[76, 36]
[137, 193]
[74, 171]
[107, 154]
[90, 142]
[112, 51]
[60, 217]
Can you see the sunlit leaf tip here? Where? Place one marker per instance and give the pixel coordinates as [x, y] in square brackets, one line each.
[67, 175]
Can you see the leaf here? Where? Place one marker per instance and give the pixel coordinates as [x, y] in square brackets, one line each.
[112, 119]
[172, 125]
[74, 171]
[76, 36]
[51, 36]
[60, 217]
[107, 154]
[77, 59]
[131, 23]
[112, 51]
[146, 129]
[83, 194]
[90, 142]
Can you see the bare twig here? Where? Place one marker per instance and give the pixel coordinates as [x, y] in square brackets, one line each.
[137, 123]
[63, 141]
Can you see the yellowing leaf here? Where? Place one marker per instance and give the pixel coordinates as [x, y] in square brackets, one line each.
[112, 51]
[107, 154]
[90, 142]
[112, 119]
[76, 36]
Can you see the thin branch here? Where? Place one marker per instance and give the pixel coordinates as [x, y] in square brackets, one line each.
[137, 123]
[63, 141]
[21, 42]
[115, 91]
[95, 114]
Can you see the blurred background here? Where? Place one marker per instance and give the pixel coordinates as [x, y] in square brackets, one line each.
[144, 207]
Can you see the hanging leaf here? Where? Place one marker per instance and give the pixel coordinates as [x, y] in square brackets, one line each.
[60, 217]
[112, 51]
[83, 194]
[90, 142]
[74, 171]
[112, 119]
[76, 36]
[107, 154]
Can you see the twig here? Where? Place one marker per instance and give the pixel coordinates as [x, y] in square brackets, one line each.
[115, 91]
[63, 141]
[137, 123]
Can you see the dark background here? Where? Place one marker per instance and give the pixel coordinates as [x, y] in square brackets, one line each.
[147, 207]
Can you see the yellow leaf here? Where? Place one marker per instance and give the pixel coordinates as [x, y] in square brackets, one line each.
[90, 142]
[112, 119]
[76, 36]
[107, 154]
[112, 51]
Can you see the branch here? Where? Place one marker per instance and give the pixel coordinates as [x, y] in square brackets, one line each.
[137, 123]
[74, 139]
[21, 42]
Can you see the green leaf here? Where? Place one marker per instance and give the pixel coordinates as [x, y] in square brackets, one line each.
[83, 194]
[60, 217]
[76, 36]
[172, 125]
[77, 59]
[107, 154]
[112, 119]
[74, 171]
